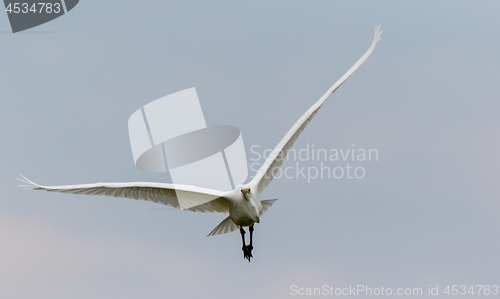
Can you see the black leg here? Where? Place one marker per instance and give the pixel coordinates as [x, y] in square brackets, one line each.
[247, 250]
[250, 247]
[242, 232]
[251, 233]
[244, 248]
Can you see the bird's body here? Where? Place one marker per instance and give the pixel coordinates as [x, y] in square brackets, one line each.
[244, 209]
[242, 205]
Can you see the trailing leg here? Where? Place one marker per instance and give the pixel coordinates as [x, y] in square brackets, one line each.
[242, 232]
[250, 247]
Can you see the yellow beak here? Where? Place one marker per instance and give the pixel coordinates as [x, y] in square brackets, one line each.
[245, 191]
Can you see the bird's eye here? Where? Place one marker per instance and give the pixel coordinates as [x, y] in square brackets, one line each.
[248, 190]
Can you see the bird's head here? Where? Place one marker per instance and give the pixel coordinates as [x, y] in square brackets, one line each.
[245, 191]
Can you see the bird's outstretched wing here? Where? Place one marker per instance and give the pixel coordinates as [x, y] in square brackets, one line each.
[267, 171]
[183, 197]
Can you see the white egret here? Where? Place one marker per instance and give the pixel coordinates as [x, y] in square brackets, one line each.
[242, 205]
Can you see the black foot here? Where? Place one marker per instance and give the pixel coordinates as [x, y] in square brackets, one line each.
[247, 252]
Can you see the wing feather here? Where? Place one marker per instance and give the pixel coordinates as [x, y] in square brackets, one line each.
[226, 226]
[267, 171]
[209, 200]
[266, 204]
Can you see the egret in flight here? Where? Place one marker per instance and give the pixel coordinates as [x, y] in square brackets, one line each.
[242, 205]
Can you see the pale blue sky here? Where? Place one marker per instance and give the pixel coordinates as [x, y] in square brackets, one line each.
[425, 214]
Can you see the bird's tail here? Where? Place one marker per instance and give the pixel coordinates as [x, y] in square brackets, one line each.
[227, 225]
